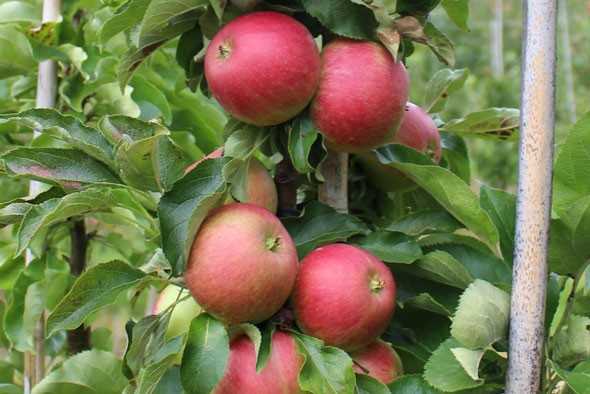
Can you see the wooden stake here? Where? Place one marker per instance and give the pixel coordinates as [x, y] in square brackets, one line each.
[334, 190]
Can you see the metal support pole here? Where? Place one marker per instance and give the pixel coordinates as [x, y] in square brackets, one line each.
[534, 197]
[568, 69]
[34, 363]
[334, 190]
[497, 39]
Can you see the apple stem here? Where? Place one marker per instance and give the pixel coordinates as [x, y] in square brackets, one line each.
[272, 243]
[377, 285]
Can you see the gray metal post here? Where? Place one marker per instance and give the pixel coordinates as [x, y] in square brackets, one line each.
[34, 362]
[534, 197]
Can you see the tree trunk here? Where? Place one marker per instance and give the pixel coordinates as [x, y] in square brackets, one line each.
[78, 338]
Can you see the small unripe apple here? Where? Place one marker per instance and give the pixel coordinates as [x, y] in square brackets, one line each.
[182, 315]
[378, 360]
[279, 375]
[260, 186]
[417, 131]
[242, 264]
[361, 97]
[343, 295]
[263, 67]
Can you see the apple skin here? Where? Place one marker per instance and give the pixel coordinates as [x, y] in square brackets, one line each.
[261, 189]
[263, 67]
[344, 296]
[182, 315]
[361, 97]
[417, 131]
[378, 360]
[280, 375]
[242, 264]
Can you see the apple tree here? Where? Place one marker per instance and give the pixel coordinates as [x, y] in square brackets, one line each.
[164, 124]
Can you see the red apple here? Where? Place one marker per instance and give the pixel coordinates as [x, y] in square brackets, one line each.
[183, 313]
[261, 189]
[263, 67]
[280, 375]
[361, 97]
[242, 264]
[417, 131]
[343, 295]
[379, 361]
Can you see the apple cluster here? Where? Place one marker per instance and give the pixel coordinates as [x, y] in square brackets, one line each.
[264, 68]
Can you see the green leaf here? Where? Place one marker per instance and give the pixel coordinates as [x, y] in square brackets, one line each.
[189, 45]
[429, 296]
[126, 17]
[24, 310]
[440, 44]
[205, 355]
[96, 288]
[482, 316]
[441, 85]
[162, 21]
[391, 247]
[501, 206]
[244, 141]
[368, 385]
[68, 168]
[19, 12]
[456, 155]
[13, 213]
[559, 314]
[469, 360]
[265, 347]
[343, 17]
[572, 343]
[578, 379]
[442, 267]
[412, 384]
[40, 217]
[320, 224]
[89, 372]
[183, 208]
[497, 123]
[66, 128]
[16, 54]
[151, 101]
[150, 376]
[570, 182]
[147, 337]
[458, 11]
[302, 137]
[326, 370]
[418, 223]
[445, 372]
[479, 261]
[448, 189]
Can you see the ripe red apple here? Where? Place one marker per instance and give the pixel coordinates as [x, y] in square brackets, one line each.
[343, 295]
[242, 264]
[183, 313]
[361, 97]
[417, 131]
[263, 67]
[280, 375]
[379, 361]
[261, 189]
